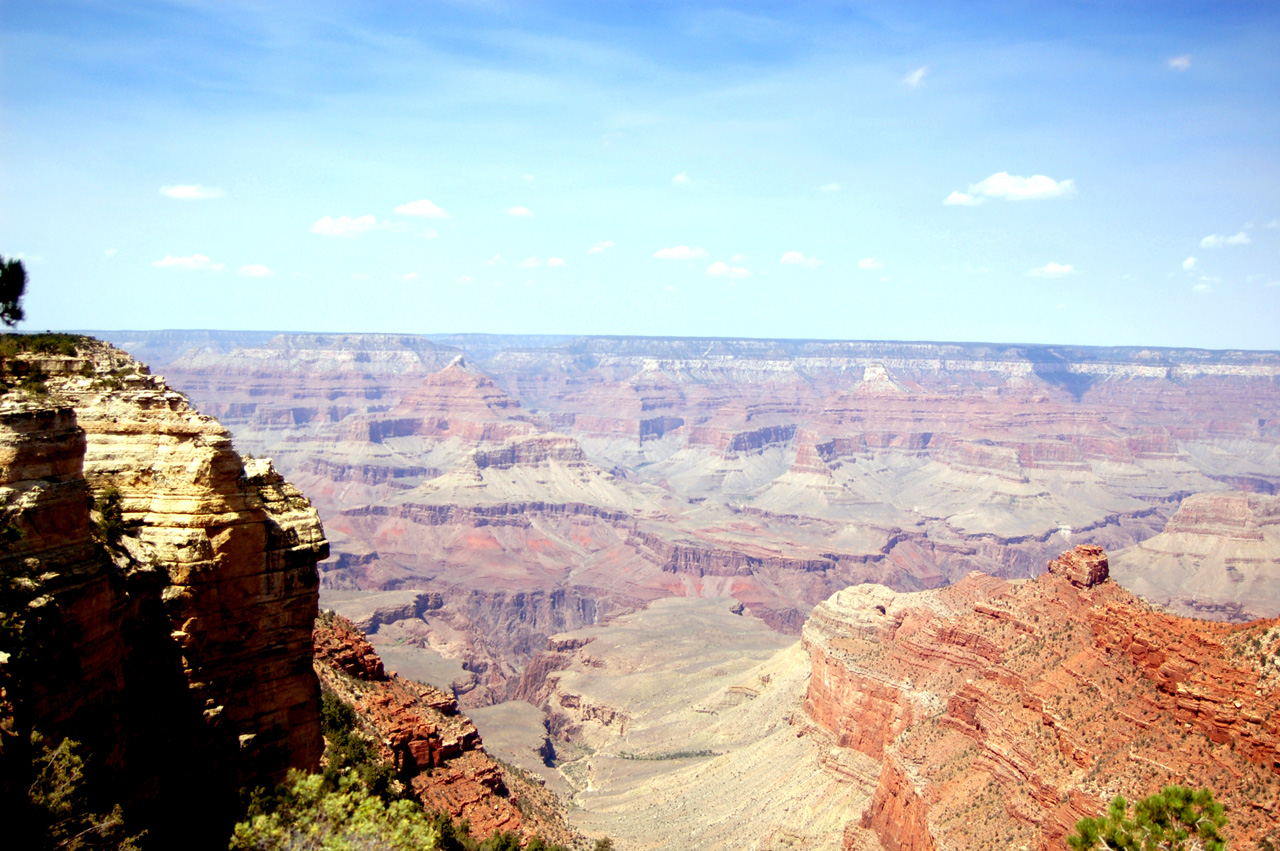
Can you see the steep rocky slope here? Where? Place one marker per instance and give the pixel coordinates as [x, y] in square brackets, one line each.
[1001, 715]
[171, 626]
[988, 714]
[435, 750]
[588, 477]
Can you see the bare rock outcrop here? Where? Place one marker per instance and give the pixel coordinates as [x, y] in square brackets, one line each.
[1003, 713]
[173, 623]
[435, 750]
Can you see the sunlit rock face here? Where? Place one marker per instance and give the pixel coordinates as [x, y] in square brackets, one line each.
[1002, 713]
[537, 486]
[185, 642]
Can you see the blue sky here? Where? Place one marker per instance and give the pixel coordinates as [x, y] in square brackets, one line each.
[1091, 173]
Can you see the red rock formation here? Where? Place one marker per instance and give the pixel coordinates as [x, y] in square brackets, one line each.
[1001, 721]
[1084, 567]
[434, 749]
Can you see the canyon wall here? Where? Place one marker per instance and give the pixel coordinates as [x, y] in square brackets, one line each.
[168, 627]
[1001, 714]
[588, 477]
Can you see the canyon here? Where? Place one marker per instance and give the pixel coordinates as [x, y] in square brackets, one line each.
[767, 594]
[482, 493]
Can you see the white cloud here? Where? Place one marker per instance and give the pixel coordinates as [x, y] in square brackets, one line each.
[494, 260]
[679, 252]
[519, 211]
[795, 258]
[109, 253]
[1215, 240]
[255, 270]
[1273, 224]
[430, 234]
[422, 208]
[1180, 63]
[829, 187]
[1052, 270]
[682, 179]
[466, 279]
[409, 276]
[361, 276]
[1273, 283]
[191, 192]
[194, 261]
[601, 246]
[722, 269]
[1011, 187]
[916, 78]
[528, 178]
[555, 261]
[870, 263]
[529, 263]
[1189, 264]
[961, 198]
[343, 225]
[1202, 288]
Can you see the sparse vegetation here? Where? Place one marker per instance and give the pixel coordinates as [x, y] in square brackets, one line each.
[59, 812]
[356, 804]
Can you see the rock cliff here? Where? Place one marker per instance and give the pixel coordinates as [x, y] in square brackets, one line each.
[1001, 713]
[169, 627]
[435, 750]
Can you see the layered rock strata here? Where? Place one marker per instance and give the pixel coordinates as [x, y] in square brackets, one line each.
[174, 619]
[1001, 714]
[588, 477]
[435, 750]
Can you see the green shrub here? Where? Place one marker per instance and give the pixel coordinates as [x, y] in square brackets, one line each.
[309, 816]
[1176, 819]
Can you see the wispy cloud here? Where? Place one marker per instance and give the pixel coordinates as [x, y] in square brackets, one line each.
[1217, 240]
[721, 269]
[344, 225]
[796, 258]
[1202, 288]
[555, 261]
[109, 253]
[529, 263]
[682, 179]
[191, 262]
[255, 270]
[915, 79]
[519, 211]
[830, 187]
[191, 192]
[1180, 63]
[1189, 264]
[601, 246]
[963, 199]
[1052, 270]
[494, 260]
[422, 208]
[409, 276]
[679, 252]
[870, 263]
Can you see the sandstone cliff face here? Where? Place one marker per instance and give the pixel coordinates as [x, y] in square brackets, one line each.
[1001, 714]
[189, 636]
[435, 750]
